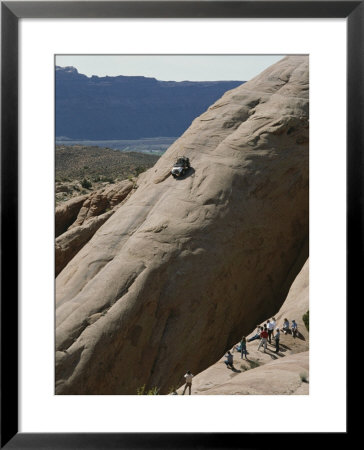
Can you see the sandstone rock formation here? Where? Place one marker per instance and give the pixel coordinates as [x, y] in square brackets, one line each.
[185, 267]
[102, 200]
[278, 377]
[93, 211]
[266, 373]
[69, 243]
[67, 213]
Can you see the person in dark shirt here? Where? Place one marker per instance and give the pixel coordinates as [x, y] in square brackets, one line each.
[229, 361]
[243, 347]
[276, 338]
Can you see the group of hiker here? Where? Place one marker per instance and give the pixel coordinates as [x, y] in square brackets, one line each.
[266, 333]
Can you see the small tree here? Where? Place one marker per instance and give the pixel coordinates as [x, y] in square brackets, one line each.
[86, 184]
[139, 170]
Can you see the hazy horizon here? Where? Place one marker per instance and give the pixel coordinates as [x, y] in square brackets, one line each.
[171, 67]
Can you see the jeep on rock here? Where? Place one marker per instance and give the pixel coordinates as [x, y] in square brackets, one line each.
[180, 167]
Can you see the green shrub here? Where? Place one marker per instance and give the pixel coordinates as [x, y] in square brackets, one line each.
[306, 319]
[86, 184]
[143, 391]
[153, 391]
[303, 377]
[139, 170]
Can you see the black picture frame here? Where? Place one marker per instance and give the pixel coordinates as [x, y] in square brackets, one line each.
[11, 12]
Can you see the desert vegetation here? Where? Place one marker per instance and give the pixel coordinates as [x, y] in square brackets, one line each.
[306, 320]
[80, 169]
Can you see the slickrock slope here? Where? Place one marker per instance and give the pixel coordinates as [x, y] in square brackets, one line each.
[184, 267]
[69, 243]
[266, 373]
[279, 377]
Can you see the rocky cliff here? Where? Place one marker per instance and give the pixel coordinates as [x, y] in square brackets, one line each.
[185, 267]
[78, 219]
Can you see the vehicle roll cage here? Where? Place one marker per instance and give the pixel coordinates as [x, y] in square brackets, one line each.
[182, 161]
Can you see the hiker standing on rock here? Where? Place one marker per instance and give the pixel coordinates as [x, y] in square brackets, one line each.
[270, 328]
[243, 348]
[188, 377]
[294, 328]
[274, 323]
[264, 337]
[277, 337]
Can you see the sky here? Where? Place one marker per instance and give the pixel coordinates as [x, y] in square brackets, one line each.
[171, 67]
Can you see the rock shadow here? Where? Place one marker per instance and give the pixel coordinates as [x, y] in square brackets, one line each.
[253, 364]
[284, 348]
[300, 336]
[272, 353]
[234, 369]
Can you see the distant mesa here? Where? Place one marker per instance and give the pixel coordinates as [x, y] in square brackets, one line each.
[129, 107]
[67, 69]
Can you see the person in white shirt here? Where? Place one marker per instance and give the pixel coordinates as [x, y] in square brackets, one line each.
[188, 377]
[270, 328]
[274, 324]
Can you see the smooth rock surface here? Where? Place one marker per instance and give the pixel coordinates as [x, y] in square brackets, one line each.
[185, 267]
[69, 243]
[278, 377]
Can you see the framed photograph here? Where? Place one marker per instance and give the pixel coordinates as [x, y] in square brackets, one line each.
[189, 194]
